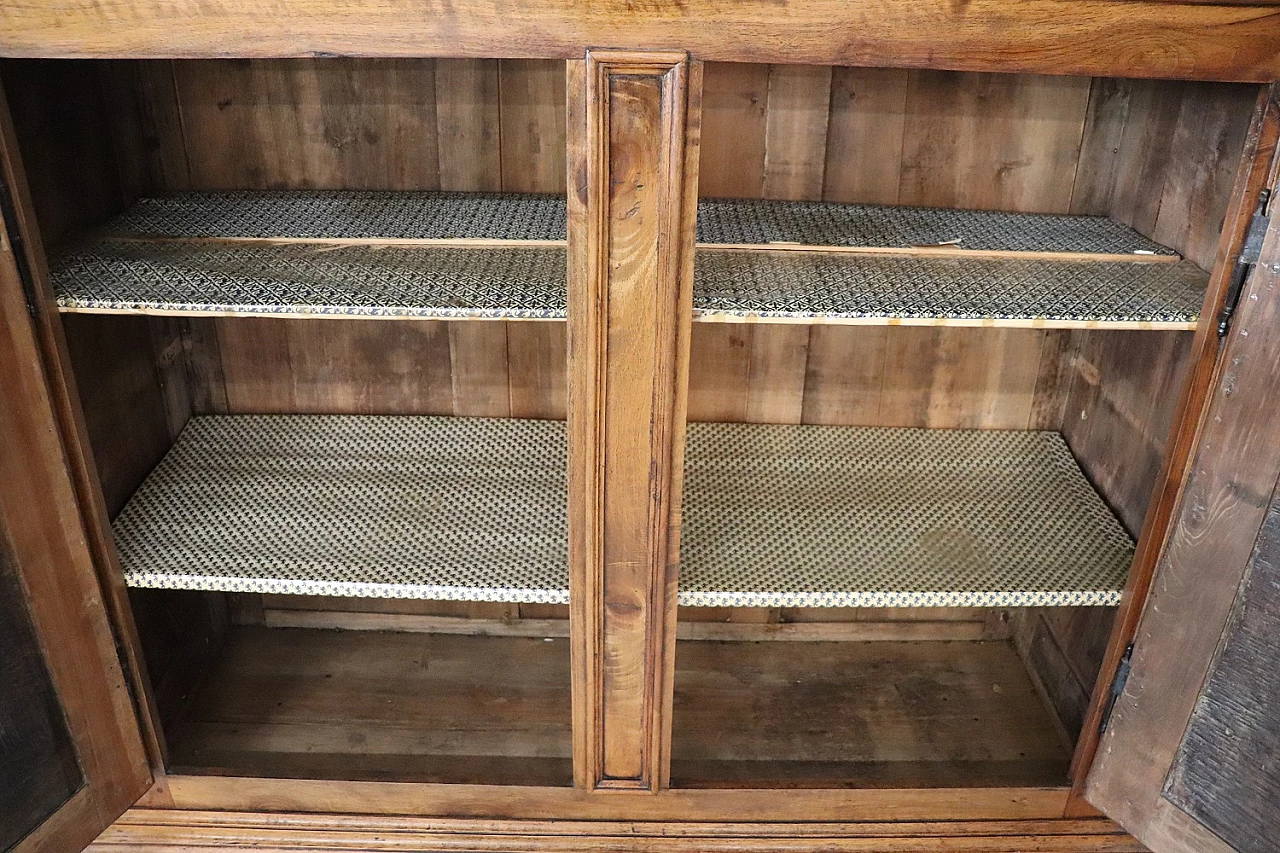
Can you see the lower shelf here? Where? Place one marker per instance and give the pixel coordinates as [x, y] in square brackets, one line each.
[381, 706]
[834, 715]
[471, 509]
[359, 705]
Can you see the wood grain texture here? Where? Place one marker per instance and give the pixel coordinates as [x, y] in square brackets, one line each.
[1221, 509]
[1142, 39]
[532, 97]
[874, 376]
[133, 391]
[1120, 407]
[334, 124]
[1257, 170]
[759, 715]
[864, 135]
[374, 705]
[48, 541]
[796, 131]
[633, 154]
[1224, 775]
[1063, 648]
[178, 832]
[63, 124]
[38, 767]
[992, 141]
[892, 136]
[470, 125]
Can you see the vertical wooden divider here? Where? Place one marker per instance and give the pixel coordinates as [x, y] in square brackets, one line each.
[633, 154]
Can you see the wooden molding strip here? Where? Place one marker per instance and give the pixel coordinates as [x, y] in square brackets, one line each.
[633, 119]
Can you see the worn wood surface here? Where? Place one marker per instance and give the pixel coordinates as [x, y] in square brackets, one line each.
[1143, 39]
[46, 542]
[633, 154]
[1121, 400]
[38, 767]
[398, 706]
[373, 705]
[858, 376]
[1257, 171]
[860, 715]
[1063, 648]
[361, 705]
[1222, 506]
[1225, 773]
[170, 832]
[131, 375]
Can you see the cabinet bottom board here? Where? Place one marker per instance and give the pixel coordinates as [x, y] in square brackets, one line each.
[389, 706]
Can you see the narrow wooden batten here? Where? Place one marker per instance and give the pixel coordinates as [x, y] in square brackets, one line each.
[633, 127]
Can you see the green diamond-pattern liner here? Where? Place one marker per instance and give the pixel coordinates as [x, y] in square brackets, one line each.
[474, 509]
[824, 224]
[529, 283]
[832, 287]
[171, 276]
[518, 216]
[820, 516]
[454, 509]
[357, 281]
[322, 214]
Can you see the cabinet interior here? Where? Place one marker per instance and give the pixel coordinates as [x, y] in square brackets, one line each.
[336, 673]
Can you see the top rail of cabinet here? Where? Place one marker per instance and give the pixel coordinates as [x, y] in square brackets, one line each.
[1200, 39]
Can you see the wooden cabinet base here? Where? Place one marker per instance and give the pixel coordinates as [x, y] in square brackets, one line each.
[159, 831]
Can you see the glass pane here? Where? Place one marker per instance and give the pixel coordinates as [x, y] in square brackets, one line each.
[38, 767]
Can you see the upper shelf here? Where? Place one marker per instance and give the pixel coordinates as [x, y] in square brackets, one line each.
[475, 509]
[489, 256]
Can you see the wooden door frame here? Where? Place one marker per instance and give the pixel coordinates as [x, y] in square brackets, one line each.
[1257, 171]
[1223, 503]
[41, 519]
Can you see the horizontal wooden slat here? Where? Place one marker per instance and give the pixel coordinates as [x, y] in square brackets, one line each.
[1103, 37]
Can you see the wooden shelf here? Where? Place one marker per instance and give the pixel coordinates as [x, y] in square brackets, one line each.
[365, 705]
[821, 516]
[453, 509]
[886, 290]
[487, 256]
[926, 714]
[430, 217]
[299, 703]
[474, 509]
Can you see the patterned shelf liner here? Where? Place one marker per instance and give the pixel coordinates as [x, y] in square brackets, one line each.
[528, 283]
[183, 274]
[514, 216]
[474, 509]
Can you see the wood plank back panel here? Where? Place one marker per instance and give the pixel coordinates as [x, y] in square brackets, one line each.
[633, 154]
[860, 376]
[64, 124]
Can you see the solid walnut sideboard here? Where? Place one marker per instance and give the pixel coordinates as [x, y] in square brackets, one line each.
[540, 426]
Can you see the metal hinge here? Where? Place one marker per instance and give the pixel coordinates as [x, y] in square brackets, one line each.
[14, 238]
[1249, 256]
[1117, 686]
